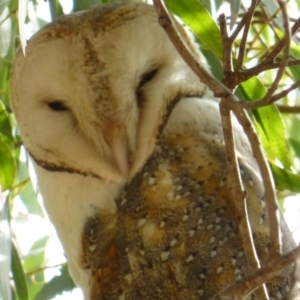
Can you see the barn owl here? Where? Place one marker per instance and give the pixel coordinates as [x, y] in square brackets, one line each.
[128, 149]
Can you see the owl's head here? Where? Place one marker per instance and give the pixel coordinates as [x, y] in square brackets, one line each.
[95, 88]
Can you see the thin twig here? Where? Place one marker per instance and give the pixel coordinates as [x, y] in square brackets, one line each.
[271, 202]
[258, 33]
[43, 269]
[232, 79]
[241, 25]
[261, 103]
[267, 66]
[226, 43]
[219, 89]
[239, 195]
[13, 12]
[249, 283]
[252, 281]
[240, 59]
[283, 63]
[289, 109]
[293, 281]
[167, 24]
[268, 99]
[278, 48]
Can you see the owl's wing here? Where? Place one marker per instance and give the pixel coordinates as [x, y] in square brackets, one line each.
[175, 235]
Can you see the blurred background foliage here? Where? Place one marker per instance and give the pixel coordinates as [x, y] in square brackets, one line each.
[32, 264]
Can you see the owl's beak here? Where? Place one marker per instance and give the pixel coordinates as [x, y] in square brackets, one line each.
[120, 154]
[117, 140]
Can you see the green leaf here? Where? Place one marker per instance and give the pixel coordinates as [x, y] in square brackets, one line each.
[36, 255]
[35, 283]
[22, 14]
[268, 123]
[294, 128]
[5, 250]
[5, 32]
[55, 9]
[295, 72]
[84, 4]
[295, 49]
[18, 274]
[295, 145]
[5, 127]
[212, 7]
[3, 5]
[196, 16]
[214, 63]
[27, 193]
[56, 285]
[285, 180]
[8, 168]
[271, 7]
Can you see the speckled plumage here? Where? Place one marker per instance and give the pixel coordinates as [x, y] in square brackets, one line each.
[128, 149]
[175, 234]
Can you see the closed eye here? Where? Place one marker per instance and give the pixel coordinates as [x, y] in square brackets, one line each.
[57, 106]
[147, 77]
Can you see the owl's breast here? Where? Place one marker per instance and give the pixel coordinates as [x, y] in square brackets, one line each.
[175, 235]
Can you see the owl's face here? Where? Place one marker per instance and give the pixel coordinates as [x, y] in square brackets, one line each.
[94, 90]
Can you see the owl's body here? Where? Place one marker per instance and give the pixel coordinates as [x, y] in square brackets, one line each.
[129, 153]
[175, 234]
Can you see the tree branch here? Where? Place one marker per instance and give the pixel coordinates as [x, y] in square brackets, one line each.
[248, 19]
[249, 283]
[289, 109]
[276, 262]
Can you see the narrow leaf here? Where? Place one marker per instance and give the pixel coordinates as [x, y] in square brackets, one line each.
[36, 255]
[18, 274]
[285, 180]
[84, 4]
[56, 285]
[8, 168]
[268, 123]
[5, 250]
[196, 16]
[5, 127]
[22, 14]
[55, 9]
[295, 145]
[5, 32]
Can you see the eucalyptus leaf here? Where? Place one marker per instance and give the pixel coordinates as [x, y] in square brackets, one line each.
[271, 8]
[5, 32]
[18, 275]
[296, 146]
[22, 14]
[55, 9]
[27, 193]
[295, 70]
[84, 4]
[56, 285]
[36, 255]
[5, 250]
[268, 123]
[8, 167]
[285, 180]
[3, 5]
[5, 126]
[196, 16]
[212, 5]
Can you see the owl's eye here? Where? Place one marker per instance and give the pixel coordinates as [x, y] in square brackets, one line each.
[57, 106]
[147, 77]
